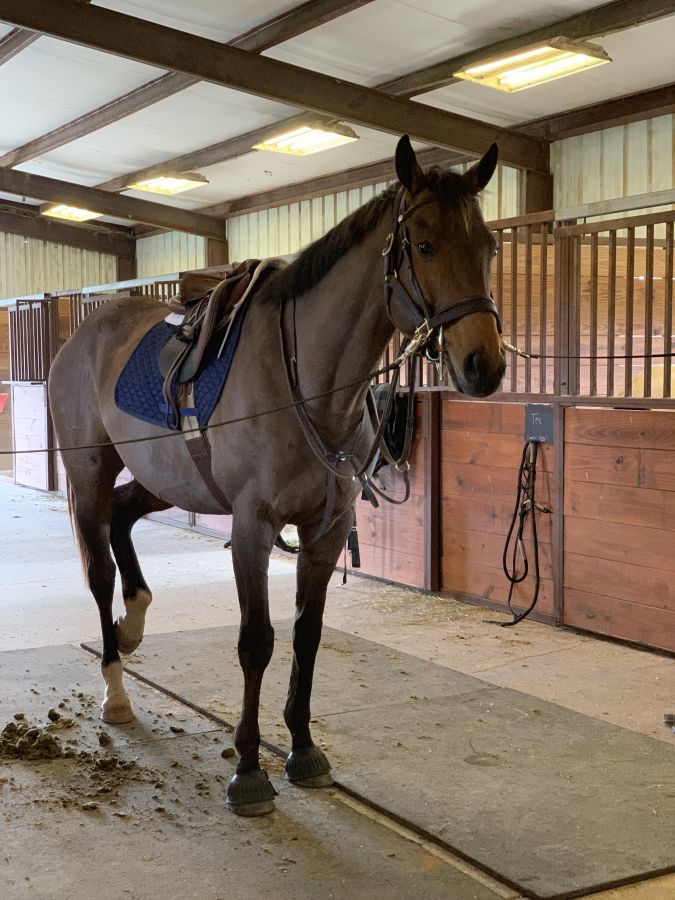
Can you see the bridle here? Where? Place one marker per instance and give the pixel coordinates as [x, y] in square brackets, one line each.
[419, 325]
[420, 320]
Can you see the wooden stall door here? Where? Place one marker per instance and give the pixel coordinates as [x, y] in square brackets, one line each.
[395, 541]
[619, 527]
[481, 447]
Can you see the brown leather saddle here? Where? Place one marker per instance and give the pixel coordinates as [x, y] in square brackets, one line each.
[207, 303]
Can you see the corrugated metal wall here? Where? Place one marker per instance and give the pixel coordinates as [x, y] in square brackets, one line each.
[630, 159]
[173, 251]
[29, 266]
[286, 229]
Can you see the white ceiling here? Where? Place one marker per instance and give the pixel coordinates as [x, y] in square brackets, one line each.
[52, 82]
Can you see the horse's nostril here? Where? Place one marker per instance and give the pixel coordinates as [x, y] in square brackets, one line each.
[472, 364]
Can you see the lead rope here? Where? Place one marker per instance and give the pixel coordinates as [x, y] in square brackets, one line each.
[526, 505]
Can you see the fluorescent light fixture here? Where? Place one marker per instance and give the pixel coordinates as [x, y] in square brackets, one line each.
[305, 140]
[169, 183]
[535, 64]
[70, 213]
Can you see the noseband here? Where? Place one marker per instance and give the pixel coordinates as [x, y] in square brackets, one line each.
[416, 309]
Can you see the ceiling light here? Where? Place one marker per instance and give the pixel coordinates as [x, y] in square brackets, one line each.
[305, 140]
[70, 213]
[535, 64]
[169, 183]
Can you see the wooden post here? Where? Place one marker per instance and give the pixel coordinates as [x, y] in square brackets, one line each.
[432, 491]
[126, 266]
[537, 193]
[216, 252]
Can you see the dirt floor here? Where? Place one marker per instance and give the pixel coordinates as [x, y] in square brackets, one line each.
[77, 791]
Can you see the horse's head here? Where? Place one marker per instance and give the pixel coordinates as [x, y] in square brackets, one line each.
[451, 250]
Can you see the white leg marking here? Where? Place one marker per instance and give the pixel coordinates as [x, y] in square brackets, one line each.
[116, 709]
[130, 627]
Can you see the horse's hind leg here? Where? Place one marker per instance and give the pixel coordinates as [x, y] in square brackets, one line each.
[130, 502]
[306, 764]
[91, 482]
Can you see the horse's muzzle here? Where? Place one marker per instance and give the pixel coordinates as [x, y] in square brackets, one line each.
[479, 376]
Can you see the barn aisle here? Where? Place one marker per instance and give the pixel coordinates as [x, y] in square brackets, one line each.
[454, 655]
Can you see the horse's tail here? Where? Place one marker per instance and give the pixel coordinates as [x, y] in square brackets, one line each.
[77, 534]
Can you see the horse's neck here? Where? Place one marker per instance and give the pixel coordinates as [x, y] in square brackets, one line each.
[342, 331]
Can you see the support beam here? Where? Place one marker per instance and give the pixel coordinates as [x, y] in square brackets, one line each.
[295, 21]
[538, 192]
[23, 184]
[117, 109]
[14, 42]
[126, 266]
[156, 45]
[268, 34]
[216, 253]
[615, 16]
[620, 111]
[40, 228]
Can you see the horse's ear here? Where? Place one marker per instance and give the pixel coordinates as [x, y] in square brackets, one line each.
[408, 169]
[481, 172]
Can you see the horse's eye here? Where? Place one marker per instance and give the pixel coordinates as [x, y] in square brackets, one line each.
[425, 248]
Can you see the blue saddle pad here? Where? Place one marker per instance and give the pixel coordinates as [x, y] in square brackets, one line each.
[139, 388]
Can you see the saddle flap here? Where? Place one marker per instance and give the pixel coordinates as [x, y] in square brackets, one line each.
[208, 302]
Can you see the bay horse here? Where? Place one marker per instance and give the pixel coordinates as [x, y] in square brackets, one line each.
[438, 254]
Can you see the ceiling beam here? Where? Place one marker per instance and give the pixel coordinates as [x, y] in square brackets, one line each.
[23, 184]
[268, 34]
[117, 109]
[31, 225]
[619, 111]
[610, 17]
[294, 22]
[157, 45]
[14, 42]
[325, 184]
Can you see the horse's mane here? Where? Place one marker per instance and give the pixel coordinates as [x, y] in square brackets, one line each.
[316, 260]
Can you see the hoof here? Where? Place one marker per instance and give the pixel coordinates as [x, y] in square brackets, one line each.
[251, 794]
[124, 644]
[309, 767]
[117, 713]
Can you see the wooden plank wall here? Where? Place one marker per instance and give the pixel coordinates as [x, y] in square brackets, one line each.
[629, 159]
[30, 266]
[284, 230]
[480, 448]
[619, 531]
[392, 538]
[170, 251]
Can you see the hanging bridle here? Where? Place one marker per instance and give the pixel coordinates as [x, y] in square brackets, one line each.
[418, 331]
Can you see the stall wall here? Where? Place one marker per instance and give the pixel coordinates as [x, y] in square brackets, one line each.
[635, 158]
[286, 229]
[480, 448]
[29, 266]
[393, 538]
[619, 534]
[171, 251]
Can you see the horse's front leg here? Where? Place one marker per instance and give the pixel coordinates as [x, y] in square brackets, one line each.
[306, 764]
[250, 792]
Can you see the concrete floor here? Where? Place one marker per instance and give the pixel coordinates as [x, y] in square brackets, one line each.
[43, 603]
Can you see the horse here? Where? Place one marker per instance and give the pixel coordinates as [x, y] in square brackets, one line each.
[437, 255]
